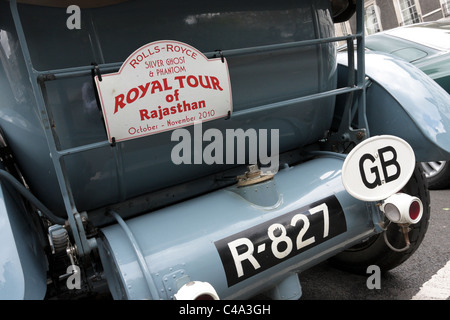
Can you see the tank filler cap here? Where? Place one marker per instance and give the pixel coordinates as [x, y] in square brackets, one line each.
[252, 176]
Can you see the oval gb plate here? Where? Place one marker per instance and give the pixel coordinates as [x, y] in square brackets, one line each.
[378, 167]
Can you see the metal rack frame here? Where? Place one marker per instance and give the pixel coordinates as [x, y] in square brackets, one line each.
[355, 91]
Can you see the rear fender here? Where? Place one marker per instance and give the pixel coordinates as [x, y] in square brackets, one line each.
[22, 260]
[403, 101]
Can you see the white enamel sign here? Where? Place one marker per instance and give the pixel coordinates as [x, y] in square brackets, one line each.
[378, 168]
[162, 86]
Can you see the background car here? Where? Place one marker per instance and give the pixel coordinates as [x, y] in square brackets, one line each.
[427, 46]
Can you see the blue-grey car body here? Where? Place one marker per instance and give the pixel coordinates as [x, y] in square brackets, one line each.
[156, 226]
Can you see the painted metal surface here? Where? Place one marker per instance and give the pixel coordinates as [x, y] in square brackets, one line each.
[23, 266]
[202, 229]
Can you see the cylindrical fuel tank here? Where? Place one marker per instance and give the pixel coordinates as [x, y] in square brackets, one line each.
[241, 240]
[106, 175]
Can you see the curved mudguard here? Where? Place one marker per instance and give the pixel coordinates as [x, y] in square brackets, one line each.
[403, 101]
[23, 266]
[242, 241]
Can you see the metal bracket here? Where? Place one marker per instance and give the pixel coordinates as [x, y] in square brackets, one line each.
[79, 219]
[96, 71]
[354, 105]
[220, 55]
[174, 280]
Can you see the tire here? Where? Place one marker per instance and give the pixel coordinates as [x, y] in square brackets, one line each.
[374, 251]
[437, 174]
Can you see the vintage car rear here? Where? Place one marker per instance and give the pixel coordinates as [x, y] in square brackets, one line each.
[236, 196]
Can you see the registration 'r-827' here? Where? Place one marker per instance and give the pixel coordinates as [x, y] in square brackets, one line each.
[258, 248]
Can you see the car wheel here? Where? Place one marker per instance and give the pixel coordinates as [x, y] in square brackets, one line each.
[437, 174]
[375, 251]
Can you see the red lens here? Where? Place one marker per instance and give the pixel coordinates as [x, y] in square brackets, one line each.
[414, 210]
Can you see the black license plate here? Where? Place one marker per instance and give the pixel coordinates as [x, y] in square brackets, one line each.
[261, 247]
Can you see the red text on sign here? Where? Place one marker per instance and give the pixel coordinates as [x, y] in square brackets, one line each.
[206, 82]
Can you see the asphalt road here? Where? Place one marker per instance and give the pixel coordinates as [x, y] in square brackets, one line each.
[424, 276]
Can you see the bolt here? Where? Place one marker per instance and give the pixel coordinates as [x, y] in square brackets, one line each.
[360, 135]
